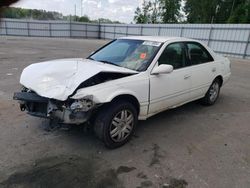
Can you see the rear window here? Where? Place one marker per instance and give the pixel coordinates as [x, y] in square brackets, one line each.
[198, 54]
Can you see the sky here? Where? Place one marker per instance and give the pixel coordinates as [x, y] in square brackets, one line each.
[120, 10]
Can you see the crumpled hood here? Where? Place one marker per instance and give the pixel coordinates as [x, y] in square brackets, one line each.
[58, 79]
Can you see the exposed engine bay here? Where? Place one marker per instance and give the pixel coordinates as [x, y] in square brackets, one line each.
[101, 78]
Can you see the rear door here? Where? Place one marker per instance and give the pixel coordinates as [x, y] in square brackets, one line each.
[203, 70]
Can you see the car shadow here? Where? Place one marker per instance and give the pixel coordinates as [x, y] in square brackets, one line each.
[155, 126]
[81, 135]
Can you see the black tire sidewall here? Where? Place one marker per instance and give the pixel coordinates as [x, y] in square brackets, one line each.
[106, 116]
[207, 100]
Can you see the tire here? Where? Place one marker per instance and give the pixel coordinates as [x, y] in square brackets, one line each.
[212, 93]
[115, 123]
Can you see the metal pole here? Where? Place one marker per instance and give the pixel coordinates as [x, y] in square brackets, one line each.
[86, 28]
[159, 31]
[127, 30]
[104, 31]
[181, 34]
[247, 44]
[209, 36]
[28, 28]
[70, 26]
[50, 31]
[86, 31]
[6, 28]
[141, 30]
[100, 31]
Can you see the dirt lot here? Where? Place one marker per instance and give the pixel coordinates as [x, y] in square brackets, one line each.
[191, 146]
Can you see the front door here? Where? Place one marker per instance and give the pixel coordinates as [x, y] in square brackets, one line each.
[169, 90]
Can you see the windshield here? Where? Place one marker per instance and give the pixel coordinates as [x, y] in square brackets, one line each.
[132, 54]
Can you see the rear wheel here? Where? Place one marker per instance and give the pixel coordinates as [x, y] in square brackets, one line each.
[212, 93]
[115, 123]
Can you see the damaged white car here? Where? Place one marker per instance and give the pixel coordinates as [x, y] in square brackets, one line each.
[128, 79]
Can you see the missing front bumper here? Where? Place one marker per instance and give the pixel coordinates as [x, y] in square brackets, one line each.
[59, 111]
[34, 104]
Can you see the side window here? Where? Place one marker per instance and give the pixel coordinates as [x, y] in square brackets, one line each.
[174, 54]
[198, 54]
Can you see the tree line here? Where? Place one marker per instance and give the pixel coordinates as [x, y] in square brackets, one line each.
[158, 11]
[193, 11]
[21, 13]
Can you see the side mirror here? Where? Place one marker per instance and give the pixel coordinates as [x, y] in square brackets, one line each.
[163, 69]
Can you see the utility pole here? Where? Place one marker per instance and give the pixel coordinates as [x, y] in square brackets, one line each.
[81, 8]
[75, 12]
[216, 11]
[232, 8]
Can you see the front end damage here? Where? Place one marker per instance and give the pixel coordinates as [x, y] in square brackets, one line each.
[66, 112]
[54, 83]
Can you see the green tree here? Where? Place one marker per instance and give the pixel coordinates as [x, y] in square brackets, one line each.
[149, 13]
[170, 10]
[156, 12]
[84, 19]
[217, 11]
[199, 11]
[241, 13]
[143, 15]
[139, 18]
[20, 13]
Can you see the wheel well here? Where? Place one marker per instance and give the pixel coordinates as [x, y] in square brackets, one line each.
[220, 79]
[129, 98]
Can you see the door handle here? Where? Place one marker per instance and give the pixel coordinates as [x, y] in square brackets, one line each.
[213, 69]
[187, 76]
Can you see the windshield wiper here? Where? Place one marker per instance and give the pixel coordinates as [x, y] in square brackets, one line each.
[108, 62]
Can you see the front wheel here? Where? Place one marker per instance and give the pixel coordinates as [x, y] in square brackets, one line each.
[212, 93]
[115, 123]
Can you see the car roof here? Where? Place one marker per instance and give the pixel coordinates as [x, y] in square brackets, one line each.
[157, 38]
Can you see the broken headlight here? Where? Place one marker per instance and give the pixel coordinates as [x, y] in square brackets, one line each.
[82, 105]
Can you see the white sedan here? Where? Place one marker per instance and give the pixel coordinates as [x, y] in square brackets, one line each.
[128, 79]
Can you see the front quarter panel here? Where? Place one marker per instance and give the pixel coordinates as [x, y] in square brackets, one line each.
[135, 85]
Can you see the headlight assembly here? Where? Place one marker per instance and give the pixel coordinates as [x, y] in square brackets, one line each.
[85, 104]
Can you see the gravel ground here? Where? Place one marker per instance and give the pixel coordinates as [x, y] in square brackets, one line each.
[191, 146]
